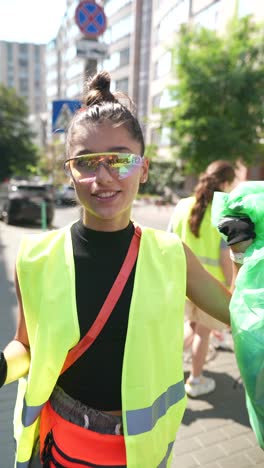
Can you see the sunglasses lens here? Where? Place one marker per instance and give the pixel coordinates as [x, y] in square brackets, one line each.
[121, 165]
[127, 164]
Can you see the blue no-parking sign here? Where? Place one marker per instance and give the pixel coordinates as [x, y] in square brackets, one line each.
[62, 111]
[90, 18]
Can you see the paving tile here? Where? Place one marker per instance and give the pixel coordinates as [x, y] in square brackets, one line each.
[237, 461]
[237, 444]
[256, 455]
[212, 465]
[212, 437]
[186, 445]
[209, 454]
[233, 430]
[184, 461]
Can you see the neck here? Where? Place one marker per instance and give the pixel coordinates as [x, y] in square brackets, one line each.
[106, 225]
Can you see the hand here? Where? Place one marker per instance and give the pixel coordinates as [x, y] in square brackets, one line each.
[3, 369]
[239, 230]
[241, 246]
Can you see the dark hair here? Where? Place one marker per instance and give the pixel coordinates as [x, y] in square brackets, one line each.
[209, 181]
[100, 105]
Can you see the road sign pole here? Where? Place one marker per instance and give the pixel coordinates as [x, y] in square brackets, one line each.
[90, 67]
[44, 215]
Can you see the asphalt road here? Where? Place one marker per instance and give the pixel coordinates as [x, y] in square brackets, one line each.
[145, 214]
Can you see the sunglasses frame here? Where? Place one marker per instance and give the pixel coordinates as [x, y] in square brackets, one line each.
[112, 153]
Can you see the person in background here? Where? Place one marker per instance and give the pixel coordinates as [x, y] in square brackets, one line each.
[191, 220]
[99, 340]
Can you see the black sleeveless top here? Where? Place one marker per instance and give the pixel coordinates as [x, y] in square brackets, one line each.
[95, 378]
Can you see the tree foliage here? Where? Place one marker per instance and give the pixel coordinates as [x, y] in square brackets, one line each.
[17, 152]
[218, 95]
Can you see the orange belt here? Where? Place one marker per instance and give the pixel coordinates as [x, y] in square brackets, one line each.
[66, 445]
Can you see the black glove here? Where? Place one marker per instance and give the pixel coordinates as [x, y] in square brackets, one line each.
[3, 369]
[236, 228]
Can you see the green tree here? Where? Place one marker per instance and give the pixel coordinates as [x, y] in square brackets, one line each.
[218, 95]
[18, 155]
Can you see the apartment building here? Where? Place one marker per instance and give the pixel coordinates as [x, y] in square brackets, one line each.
[22, 67]
[127, 40]
[138, 37]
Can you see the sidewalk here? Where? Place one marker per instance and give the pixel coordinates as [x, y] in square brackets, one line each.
[215, 432]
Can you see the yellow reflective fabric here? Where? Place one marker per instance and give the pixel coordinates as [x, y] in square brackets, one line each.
[208, 252]
[152, 379]
[152, 382]
[44, 266]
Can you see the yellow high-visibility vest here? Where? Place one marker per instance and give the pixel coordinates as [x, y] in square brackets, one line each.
[207, 246]
[153, 396]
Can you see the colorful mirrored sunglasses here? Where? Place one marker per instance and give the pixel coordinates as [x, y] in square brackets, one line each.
[121, 165]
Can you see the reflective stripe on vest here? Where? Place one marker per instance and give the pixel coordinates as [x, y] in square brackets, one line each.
[30, 413]
[209, 261]
[143, 420]
[163, 464]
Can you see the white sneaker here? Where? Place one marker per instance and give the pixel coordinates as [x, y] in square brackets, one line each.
[204, 386]
[221, 340]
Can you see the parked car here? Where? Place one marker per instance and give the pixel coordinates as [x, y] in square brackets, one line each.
[22, 200]
[65, 195]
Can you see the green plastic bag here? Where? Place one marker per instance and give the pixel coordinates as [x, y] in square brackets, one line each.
[247, 303]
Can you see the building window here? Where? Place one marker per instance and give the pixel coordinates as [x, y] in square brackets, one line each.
[156, 101]
[10, 81]
[37, 105]
[124, 57]
[9, 48]
[23, 63]
[117, 60]
[112, 6]
[37, 54]
[122, 85]
[163, 66]
[23, 50]
[172, 21]
[23, 85]
[209, 17]
[121, 29]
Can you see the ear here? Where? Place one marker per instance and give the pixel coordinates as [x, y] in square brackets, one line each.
[144, 171]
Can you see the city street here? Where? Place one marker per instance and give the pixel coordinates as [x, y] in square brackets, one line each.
[215, 432]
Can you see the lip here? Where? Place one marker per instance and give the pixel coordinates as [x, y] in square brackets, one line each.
[106, 195]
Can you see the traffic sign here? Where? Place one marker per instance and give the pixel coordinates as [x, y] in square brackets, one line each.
[62, 112]
[91, 49]
[90, 18]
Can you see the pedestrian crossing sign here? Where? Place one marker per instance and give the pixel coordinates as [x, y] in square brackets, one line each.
[62, 112]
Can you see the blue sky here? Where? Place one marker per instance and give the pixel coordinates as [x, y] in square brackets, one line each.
[35, 21]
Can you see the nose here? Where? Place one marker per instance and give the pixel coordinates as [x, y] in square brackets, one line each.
[103, 173]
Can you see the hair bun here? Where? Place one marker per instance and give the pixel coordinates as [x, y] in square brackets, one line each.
[100, 82]
[97, 89]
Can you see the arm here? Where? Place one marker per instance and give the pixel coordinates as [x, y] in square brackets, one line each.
[226, 264]
[205, 291]
[17, 353]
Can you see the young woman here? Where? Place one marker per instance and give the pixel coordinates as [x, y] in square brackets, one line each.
[191, 220]
[118, 398]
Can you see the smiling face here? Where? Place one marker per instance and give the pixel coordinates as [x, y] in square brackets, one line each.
[105, 198]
